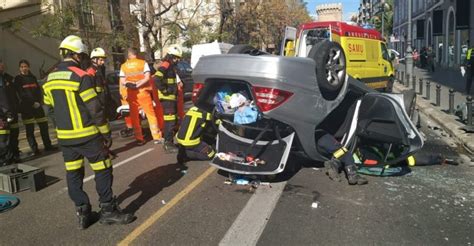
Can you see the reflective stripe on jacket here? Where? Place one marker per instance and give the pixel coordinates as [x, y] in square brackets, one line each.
[192, 126]
[78, 112]
[165, 81]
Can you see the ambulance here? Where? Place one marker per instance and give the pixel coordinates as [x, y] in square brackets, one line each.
[365, 54]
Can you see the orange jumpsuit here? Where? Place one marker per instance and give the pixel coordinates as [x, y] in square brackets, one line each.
[123, 100]
[134, 70]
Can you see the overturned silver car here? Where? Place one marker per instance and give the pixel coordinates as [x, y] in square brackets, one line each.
[295, 111]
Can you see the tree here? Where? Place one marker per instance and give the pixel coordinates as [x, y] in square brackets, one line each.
[261, 23]
[385, 12]
[191, 25]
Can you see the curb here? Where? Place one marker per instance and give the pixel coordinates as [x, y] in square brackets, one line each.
[446, 121]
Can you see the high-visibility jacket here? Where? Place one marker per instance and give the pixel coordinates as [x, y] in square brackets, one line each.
[100, 84]
[28, 90]
[78, 112]
[468, 62]
[192, 126]
[165, 81]
[134, 70]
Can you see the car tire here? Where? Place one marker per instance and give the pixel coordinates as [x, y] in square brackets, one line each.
[241, 49]
[330, 67]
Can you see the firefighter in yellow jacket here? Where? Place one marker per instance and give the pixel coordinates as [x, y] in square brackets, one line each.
[165, 82]
[190, 144]
[81, 131]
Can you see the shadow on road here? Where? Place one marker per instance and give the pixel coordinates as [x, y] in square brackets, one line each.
[124, 148]
[294, 164]
[150, 184]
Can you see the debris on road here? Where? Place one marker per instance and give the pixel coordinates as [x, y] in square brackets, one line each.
[8, 202]
[315, 205]
[163, 202]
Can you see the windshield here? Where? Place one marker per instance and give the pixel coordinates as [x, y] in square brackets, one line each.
[385, 54]
[311, 37]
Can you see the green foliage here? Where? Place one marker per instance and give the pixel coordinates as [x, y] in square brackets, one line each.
[57, 24]
[387, 16]
[260, 23]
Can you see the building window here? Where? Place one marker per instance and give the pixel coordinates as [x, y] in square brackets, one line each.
[86, 14]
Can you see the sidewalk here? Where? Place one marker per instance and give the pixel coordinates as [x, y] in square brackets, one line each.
[447, 79]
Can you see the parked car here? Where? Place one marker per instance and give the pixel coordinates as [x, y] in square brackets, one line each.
[184, 71]
[295, 112]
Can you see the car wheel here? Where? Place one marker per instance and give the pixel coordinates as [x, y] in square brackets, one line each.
[330, 67]
[241, 49]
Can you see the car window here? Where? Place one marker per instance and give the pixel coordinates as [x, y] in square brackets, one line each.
[185, 67]
[385, 54]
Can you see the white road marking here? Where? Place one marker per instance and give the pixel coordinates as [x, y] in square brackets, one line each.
[251, 222]
[114, 166]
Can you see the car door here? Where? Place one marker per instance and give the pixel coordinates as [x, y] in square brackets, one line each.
[384, 126]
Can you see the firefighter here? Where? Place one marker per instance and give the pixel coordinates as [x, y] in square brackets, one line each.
[82, 130]
[189, 136]
[97, 70]
[6, 116]
[467, 68]
[341, 158]
[31, 101]
[135, 76]
[165, 82]
[7, 82]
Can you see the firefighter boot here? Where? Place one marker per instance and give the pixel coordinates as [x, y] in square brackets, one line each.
[332, 169]
[170, 148]
[127, 132]
[110, 213]
[353, 178]
[84, 216]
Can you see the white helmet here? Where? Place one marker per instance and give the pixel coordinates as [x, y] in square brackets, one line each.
[98, 53]
[174, 50]
[74, 44]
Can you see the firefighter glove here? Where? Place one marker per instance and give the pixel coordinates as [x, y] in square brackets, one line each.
[107, 139]
[131, 85]
[9, 117]
[463, 71]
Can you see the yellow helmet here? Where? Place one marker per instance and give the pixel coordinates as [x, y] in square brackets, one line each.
[74, 44]
[174, 50]
[98, 52]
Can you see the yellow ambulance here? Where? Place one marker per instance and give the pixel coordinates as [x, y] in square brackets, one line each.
[366, 55]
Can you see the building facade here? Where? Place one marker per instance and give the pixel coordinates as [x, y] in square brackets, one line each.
[329, 12]
[367, 10]
[20, 18]
[444, 25]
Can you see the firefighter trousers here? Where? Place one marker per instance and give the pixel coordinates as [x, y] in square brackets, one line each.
[13, 139]
[469, 77]
[143, 99]
[99, 161]
[5, 153]
[201, 151]
[170, 119]
[331, 148]
[29, 118]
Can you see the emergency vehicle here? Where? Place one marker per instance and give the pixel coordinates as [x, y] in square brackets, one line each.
[366, 55]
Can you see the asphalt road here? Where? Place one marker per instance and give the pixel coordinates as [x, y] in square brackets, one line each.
[191, 205]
